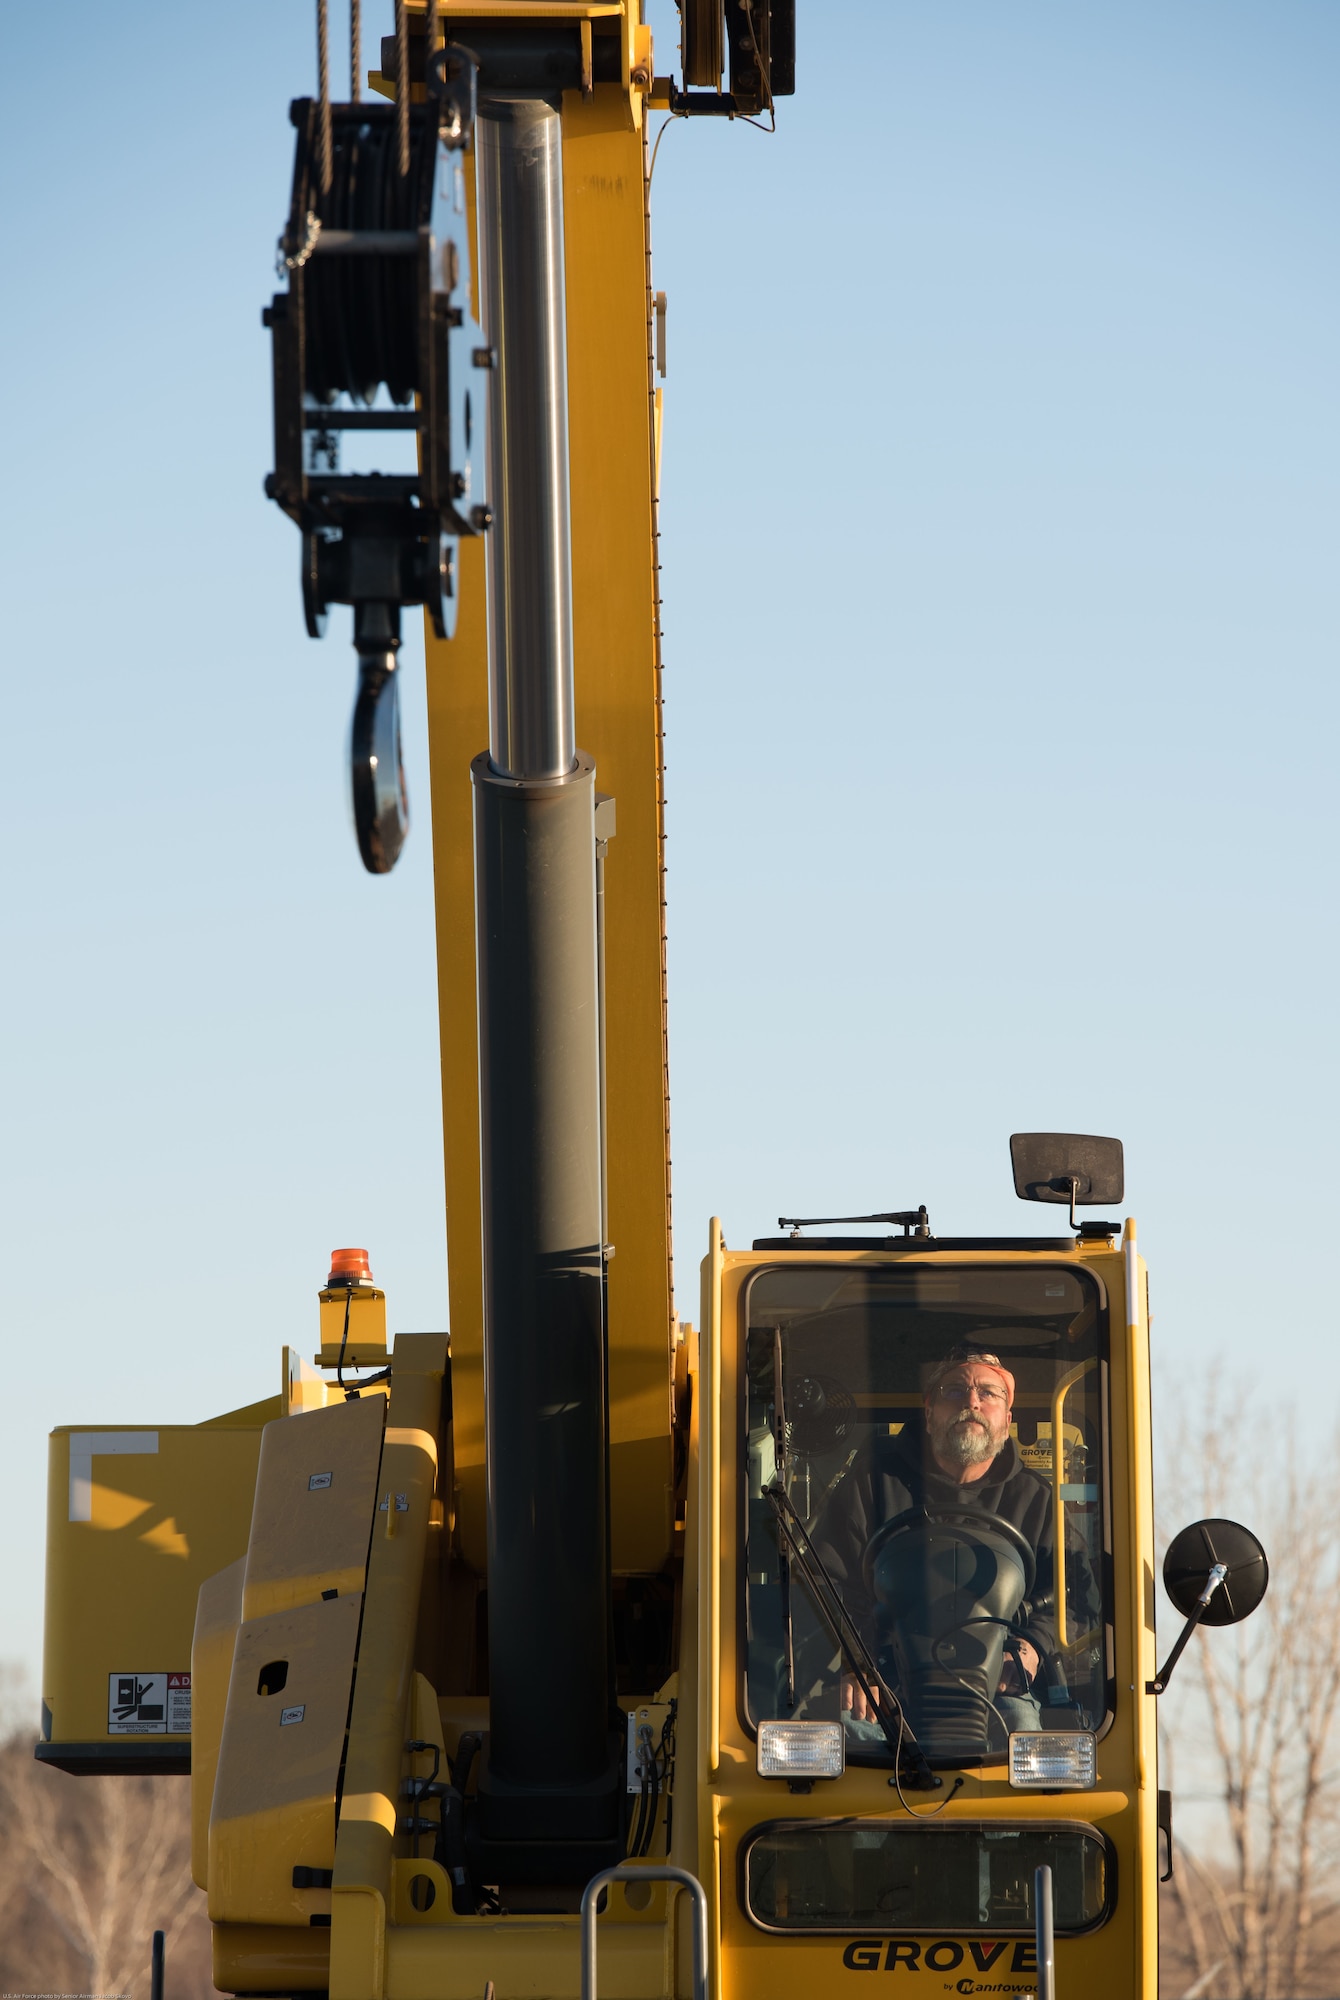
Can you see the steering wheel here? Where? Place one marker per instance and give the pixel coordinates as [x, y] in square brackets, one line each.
[904, 1524]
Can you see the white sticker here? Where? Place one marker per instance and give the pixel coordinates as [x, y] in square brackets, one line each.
[85, 1446]
[401, 1504]
[319, 1479]
[137, 1704]
[288, 1715]
[179, 1704]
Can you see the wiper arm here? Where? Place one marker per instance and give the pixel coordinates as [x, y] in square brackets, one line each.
[783, 1560]
[828, 1601]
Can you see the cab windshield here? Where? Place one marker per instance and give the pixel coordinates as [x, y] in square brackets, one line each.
[932, 1437]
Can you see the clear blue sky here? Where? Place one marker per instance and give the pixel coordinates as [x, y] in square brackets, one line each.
[1000, 512]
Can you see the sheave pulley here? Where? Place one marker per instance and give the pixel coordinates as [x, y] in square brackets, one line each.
[375, 334]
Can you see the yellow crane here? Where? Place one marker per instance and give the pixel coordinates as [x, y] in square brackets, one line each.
[588, 1649]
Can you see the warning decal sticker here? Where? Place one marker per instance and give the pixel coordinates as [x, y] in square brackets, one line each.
[148, 1704]
[179, 1705]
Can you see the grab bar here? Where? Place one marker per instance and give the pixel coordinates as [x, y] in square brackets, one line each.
[661, 1873]
[1062, 1390]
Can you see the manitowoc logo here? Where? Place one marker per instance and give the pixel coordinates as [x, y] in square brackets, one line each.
[946, 1955]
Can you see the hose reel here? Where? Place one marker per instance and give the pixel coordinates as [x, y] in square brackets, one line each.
[375, 334]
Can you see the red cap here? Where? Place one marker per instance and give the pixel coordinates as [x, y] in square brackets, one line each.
[349, 1267]
[963, 1357]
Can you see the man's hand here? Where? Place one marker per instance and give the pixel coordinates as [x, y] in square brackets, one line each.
[1011, 1680]
[851, 1695]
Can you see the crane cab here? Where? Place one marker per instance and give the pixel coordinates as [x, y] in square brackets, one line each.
[1003, 1604]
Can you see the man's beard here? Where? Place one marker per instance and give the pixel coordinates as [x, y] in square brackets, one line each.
[966, 1441]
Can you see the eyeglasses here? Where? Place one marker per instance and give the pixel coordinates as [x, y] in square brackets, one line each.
[963, 1392]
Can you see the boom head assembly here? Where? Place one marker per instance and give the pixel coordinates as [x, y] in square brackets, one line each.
[375, 335]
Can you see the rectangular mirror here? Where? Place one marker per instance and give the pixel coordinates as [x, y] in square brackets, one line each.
[1054, 1166]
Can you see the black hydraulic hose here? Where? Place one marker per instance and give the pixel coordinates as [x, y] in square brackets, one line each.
[653, 1788]
[668, 1752]
[425, 1786]
[351, 1389]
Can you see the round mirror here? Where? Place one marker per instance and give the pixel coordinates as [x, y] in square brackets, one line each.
[1190, 1558]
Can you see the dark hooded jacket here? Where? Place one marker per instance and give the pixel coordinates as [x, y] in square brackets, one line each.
[893, 1476]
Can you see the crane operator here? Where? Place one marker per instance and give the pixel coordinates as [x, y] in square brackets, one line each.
[959, 1459]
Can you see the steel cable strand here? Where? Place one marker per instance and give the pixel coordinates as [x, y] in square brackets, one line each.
[403, 86]
[323, 91]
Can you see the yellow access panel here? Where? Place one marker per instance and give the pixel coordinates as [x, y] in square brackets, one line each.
[137, 1518]
[611, 430]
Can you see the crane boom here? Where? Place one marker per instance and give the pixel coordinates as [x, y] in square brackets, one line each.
[817, 1640]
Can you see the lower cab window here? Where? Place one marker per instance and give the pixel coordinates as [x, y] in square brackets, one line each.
[839, 1876]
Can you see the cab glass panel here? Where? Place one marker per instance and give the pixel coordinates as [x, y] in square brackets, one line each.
[934, 1434]
[952, 1879]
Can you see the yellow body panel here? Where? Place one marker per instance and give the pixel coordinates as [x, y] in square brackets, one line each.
[366, 1842]
[218, 1615]
[137, 1518]
[259, 1958]
[529, 1958]
[273, 1806]
[315, 1489]
[289, 1665]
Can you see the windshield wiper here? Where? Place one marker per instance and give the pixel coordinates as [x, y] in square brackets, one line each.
[882, 1701]
[783, 1560]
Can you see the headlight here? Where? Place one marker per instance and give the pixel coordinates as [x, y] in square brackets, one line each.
[801, 1750]
[1066, 1761]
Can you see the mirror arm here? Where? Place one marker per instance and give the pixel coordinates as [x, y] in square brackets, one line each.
[1212, 1583]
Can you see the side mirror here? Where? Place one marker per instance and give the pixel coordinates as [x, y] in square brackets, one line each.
[1216, 1573]
[1072, 1167]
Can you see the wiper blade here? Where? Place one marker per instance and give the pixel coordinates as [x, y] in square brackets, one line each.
[828, 1601]
[783, 1560]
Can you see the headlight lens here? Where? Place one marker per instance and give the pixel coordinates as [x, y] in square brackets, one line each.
[1064, 1761]
[801, 1750]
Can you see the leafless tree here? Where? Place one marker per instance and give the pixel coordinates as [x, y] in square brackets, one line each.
[89, 1869]
[1250, 1722]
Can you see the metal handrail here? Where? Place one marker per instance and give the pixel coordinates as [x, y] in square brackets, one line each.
[1046, 1946]
[1062, 1390]
[639, 1872]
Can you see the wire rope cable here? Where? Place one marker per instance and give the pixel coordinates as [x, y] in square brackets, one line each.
[404, 89]
[323, 91]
